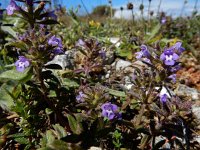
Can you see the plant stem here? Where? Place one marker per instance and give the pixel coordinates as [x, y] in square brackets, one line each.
[159, 7]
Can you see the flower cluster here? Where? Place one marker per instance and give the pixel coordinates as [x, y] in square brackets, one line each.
[110, 111]
[12, 7]
[22, 63]
[169, 58]
[56, 43]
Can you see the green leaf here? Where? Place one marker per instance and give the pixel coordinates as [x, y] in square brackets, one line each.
[60, 131]
[17, 44]
[58, 145]
[117, 93]
[6, 101]
[72, 123]
[9, 30]
[22, 140]
[17, 76]
[49, 137]
[70, 83]
[124, 53]
[153, 33]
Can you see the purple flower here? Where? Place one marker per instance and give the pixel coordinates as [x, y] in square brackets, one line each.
[175, 68]
[178, 47]
[58, 50]
[80, 43]
[169, 57]
[110, 111]
[143, 53]
[163, 20]
[22, 63]
[52, 15]
[80, 97]
[12, 7]
[102, 53]
[173, 78]
[164, 95]
[54, 41]
[163, 98]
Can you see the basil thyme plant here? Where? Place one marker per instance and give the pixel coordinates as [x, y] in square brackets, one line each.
[90, 102]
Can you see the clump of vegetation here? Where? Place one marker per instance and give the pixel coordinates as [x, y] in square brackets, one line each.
[93, 100]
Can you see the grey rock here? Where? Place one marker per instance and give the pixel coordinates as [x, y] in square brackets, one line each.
[121, 64]
[64, 61]
[196, 111]
[183, 90]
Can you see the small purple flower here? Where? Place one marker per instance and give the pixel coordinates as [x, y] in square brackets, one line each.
[12, 7]
[22, 63]
[178, 47]
[147, 60]
[54, 41]
[175, 68]
[102, 53]
[52, 15]
[169, 57]
[58, 50]
[163, 98]
[173, 78]
[110, 111]
[80, 43]
[163, 20]
[80, 97]
[143, 53]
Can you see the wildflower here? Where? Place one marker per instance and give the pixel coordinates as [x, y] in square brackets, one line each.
[110, 111]
[102, 53]
[175, 68]
[143, 53]
[80, 97]
[173, 78]
[58, 50]
[52, 15]
[163, 98]
[169, 57]
[164, 95]
[54, 41]
[12, 7]
[163, 20]
[22, 63]
[80, 43]
[178, 48]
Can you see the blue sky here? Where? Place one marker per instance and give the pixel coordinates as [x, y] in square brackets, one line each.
[172, 7]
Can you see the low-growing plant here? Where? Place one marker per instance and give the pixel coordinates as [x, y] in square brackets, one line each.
[90, 103]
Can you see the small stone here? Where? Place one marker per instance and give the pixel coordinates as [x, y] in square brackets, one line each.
[121, 64]
[183, 90]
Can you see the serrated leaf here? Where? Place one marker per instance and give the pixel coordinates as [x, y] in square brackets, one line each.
[117, 93]
[17, 76]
